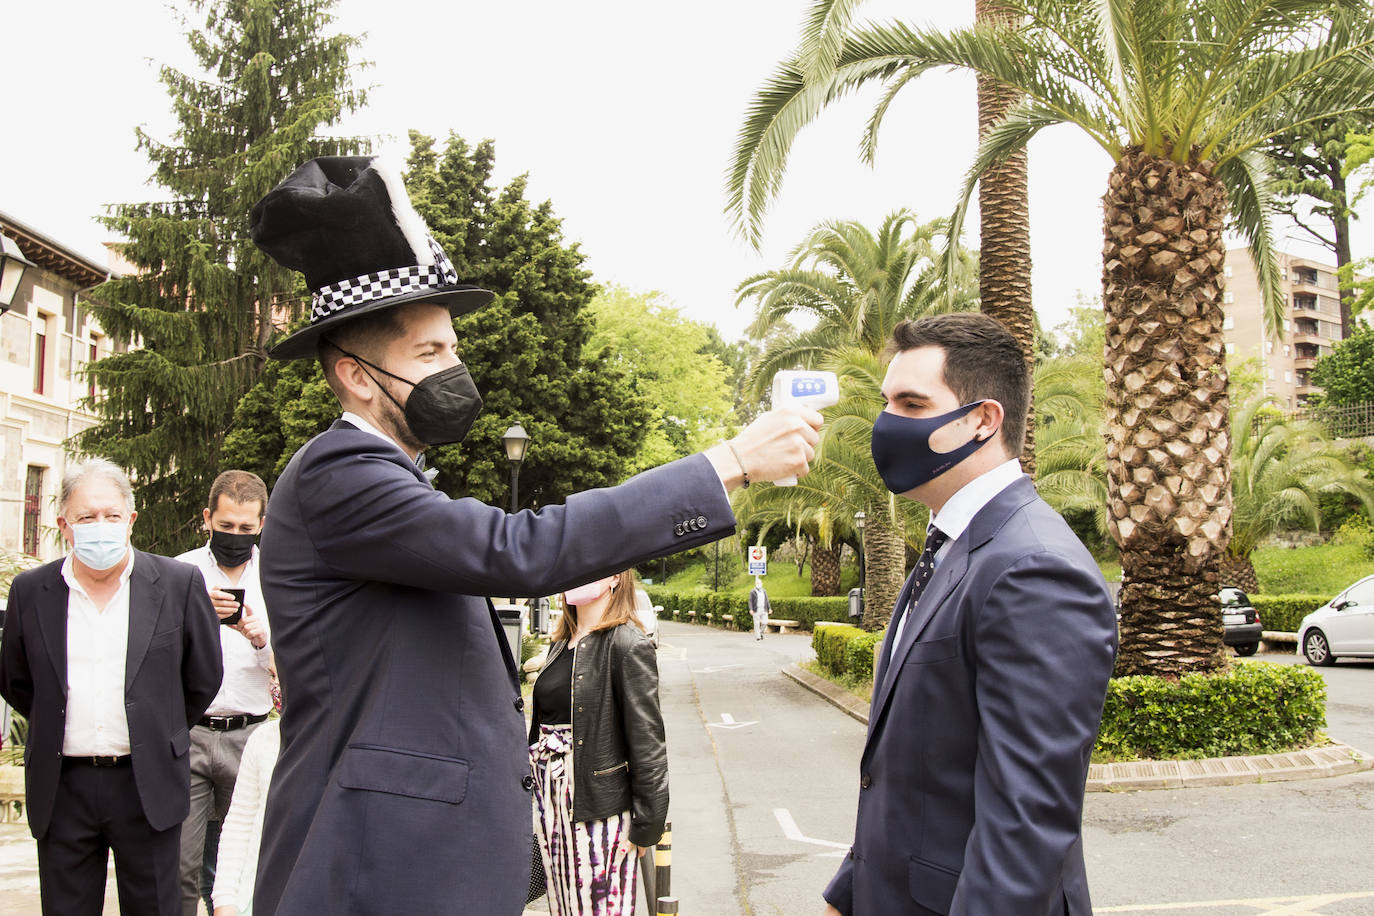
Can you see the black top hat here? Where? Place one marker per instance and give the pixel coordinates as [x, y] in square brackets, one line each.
[346, 223]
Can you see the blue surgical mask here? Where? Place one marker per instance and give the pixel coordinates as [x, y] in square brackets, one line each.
[100, 545]
[902, 452]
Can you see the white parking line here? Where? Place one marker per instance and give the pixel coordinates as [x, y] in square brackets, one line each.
[793, 832]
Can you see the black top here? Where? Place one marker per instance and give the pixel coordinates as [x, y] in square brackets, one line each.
[553, 691]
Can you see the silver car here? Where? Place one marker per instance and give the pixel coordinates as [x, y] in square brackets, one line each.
[1343, 626]
[648, 614]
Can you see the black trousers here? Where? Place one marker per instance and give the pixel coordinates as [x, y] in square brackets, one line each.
[97, 811]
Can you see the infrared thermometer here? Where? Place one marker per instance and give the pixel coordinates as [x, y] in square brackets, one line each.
[804, 388]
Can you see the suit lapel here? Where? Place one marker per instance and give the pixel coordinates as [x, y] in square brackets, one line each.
[501, 639]
[948, 574]
[145, 604]
[52, 622]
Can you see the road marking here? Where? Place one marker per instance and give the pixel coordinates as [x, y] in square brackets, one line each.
[793, 832]
[1269, 906]
[712, 669]
[728, 721]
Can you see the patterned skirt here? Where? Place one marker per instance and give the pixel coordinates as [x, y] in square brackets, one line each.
[587, 874]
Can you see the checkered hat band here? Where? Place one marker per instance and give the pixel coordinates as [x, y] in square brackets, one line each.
[398, 281]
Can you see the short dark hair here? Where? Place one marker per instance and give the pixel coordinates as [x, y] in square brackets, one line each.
[366, 335]
[242, 487]
[982, 361]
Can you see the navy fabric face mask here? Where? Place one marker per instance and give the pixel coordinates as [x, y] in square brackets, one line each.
[902, 452]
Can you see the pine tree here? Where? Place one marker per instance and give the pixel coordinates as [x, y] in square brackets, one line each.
[202, 297]
[526, 350]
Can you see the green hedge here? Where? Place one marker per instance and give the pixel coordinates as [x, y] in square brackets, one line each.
[842, 649]
[1285, 612]
[806, 611]
[1255, 708]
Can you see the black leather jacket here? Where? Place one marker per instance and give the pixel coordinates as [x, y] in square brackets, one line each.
[620, 758]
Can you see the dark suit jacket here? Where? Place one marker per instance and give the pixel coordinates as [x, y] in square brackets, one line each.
[172, 671]
[982, 726]
[401, 782]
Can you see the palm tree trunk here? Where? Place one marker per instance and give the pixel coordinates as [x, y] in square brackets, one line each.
[885, 567]
[1004, 279]
[1239, 571]
[1168, 440]
[825, 569]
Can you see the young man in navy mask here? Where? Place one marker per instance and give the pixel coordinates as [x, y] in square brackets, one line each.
[989, 686]
[228, 560]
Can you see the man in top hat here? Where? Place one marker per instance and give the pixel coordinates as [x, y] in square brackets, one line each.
[403, 784]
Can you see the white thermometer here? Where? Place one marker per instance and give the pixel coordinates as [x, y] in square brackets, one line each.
[804, 388]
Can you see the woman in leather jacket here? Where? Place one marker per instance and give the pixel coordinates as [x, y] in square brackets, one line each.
[598, 753]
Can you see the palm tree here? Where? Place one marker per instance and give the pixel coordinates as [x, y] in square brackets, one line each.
[1279, 470]
[1182, 95]
[761, 156]
[1071, 469]
[851, 287]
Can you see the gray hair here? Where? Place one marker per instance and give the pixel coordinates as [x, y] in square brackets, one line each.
[94, 467]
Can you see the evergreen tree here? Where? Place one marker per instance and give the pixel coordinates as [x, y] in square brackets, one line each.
[201, 300]
[525, 350]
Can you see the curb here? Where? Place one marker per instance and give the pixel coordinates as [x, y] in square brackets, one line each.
[1313, 763]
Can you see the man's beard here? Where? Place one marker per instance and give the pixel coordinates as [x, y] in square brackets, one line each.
[394, 424]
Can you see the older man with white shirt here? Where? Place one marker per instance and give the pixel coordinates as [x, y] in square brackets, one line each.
[228, 560]
[112, 655]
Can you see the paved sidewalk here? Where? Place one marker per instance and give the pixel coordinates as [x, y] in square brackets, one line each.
[1315, 763]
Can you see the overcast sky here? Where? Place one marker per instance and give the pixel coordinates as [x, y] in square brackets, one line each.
[622, 112]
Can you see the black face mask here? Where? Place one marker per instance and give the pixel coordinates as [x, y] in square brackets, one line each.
[231, 550]
[441, 408]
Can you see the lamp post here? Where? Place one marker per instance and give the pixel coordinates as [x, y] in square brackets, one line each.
[12, 267]
[516, 441]
[860, 519]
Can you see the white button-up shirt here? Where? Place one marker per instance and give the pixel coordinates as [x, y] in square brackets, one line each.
[97, 646]
[246, 688]
[958, 511]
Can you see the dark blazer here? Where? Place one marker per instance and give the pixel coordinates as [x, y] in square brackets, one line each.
[172, 672]
[403, 784]
[982, 726]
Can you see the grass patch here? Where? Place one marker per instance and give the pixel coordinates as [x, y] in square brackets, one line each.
[782, 580]
[859, 686]
[1321, 570]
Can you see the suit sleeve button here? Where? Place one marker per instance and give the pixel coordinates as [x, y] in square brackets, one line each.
[701, 521]
[679, 529]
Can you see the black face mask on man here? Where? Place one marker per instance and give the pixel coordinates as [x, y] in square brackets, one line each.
[902, 451]
[231, 550]
[441, 408]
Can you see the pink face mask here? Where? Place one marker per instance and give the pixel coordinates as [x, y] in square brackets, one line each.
[586, 594]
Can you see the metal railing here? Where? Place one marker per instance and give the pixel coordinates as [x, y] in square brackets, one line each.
[1355, 421]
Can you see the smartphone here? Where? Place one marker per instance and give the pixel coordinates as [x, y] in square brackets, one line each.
[237, 615]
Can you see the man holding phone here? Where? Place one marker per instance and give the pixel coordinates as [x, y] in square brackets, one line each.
[229, 563]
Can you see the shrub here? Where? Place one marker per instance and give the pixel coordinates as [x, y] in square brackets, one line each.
[806, 611]
[1285, 612]
[859, 654]
[843, 650]
[1254, 708]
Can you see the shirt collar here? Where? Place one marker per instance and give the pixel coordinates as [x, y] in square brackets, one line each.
[69, 574]
[367, 427]
[958, 511]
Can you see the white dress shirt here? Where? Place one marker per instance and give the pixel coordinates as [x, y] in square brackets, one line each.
[246, 687]
[958, 511]
[97, 644]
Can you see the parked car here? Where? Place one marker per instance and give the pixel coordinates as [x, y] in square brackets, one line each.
[1240, 622]
[1344, 626]
[648, 614]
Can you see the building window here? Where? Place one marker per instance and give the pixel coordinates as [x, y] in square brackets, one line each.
[40, 362]
[1228, 323]
[1229, 272]
[33, 507]
[1268, 346]
[1287, 325]
[1287, 375]
[1230, 348]
[94, 355]
[1271, 373]
[1228, 297]
[1287, 350]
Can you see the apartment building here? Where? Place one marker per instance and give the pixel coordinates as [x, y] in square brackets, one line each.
[1311, 323]
[46, 339]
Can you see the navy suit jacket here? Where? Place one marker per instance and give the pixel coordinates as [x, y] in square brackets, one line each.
[172, 671]
[982, 725]
[402, 781]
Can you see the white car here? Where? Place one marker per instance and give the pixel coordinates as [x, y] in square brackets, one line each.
[648, 614]
[1344, 626]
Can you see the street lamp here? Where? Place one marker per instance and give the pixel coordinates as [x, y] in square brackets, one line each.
[860, 519]
[516, 440]
[12, 267]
